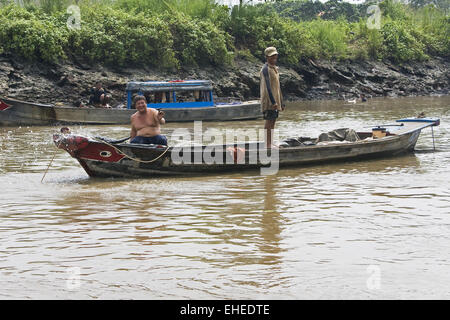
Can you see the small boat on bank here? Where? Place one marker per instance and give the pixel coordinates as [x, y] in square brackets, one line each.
[182, 101]
[105, 158]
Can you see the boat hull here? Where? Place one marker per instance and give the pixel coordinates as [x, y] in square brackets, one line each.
[287, 158]
[128, 160]
[26, 113]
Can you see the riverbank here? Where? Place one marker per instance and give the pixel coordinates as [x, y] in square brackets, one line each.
[329, 51]
[308, 80]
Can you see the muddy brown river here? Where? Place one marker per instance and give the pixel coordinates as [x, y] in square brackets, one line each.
[372, 229]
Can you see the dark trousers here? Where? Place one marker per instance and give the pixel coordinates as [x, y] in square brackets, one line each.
[158, 139]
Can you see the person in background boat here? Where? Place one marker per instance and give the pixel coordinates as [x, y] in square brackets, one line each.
[271, 98]
[148, 97]
[198, 96]
[65, 130]
[201, 96]
[100, 97]
[146, 124]
[168, 96]
[363, 97]
[160, 97]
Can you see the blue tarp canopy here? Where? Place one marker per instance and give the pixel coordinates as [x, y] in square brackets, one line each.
[154, 86]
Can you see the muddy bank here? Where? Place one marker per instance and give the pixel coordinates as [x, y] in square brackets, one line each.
[306, 81]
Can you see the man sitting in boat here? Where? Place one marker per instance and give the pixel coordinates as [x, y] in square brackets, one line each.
[99, 96]
[146, 123]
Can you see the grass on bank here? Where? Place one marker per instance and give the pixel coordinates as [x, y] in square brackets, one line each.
[175, 33]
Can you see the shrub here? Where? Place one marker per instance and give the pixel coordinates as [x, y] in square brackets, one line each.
[331, 36]
[31, 37]
[174, 33]
[400, 43]
[256, 28]
[365, 43]
[198, 42]
[433, 28]
[115, 37]
[300, 43]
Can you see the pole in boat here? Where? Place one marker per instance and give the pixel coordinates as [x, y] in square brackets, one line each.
[64, 130]
[422, 115]
[432, 134]
[54, 154]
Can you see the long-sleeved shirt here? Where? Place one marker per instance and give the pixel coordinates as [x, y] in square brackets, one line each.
[274, 79]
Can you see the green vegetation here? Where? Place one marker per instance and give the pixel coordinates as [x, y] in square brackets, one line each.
[176, 33]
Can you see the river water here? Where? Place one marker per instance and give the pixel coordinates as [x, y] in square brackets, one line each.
[375, 229]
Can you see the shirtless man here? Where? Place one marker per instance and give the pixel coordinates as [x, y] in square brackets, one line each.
[145, 124]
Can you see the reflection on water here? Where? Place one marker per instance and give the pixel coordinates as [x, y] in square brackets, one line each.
[308, 232]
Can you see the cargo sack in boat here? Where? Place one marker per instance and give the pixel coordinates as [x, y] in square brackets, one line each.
[344, 134]
[297, 142]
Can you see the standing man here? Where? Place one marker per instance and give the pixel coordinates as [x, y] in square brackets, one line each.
[271, 98]
[146, 124]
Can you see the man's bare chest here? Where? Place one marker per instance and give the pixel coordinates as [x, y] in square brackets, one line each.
[144, 121]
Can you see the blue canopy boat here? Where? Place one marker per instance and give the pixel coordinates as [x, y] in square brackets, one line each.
[167, 93]
[182, 101]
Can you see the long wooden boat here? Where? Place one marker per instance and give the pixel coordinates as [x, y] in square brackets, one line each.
[103, 158]
[15, 112]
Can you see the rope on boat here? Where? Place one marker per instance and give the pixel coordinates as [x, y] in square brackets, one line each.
[130, 157]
